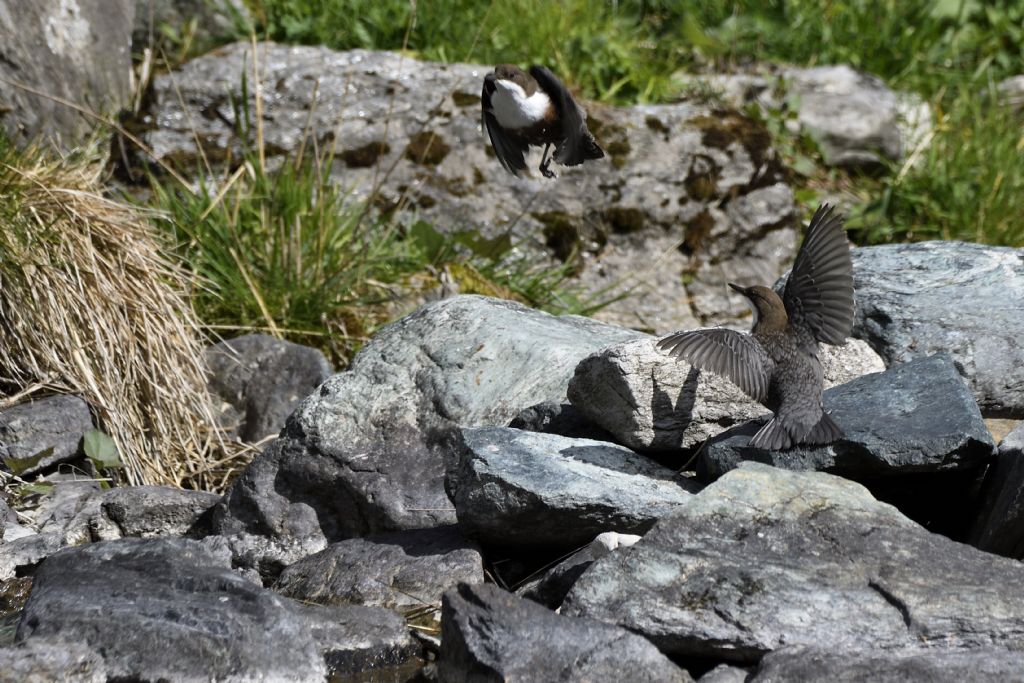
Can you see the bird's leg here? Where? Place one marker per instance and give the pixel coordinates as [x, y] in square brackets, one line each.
[545, 161]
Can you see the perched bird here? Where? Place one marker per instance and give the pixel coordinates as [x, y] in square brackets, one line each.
[522, 109]
[777, 363]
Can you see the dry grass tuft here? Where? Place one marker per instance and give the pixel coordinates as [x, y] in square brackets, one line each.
[90, 304]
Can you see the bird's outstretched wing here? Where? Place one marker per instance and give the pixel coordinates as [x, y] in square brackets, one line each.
[732, 354]
[510, 151]
[819, 292]
[578, 144]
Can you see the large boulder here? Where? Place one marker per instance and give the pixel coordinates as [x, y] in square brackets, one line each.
[766, 557]
[1000, 525]
[73, 50]
[685, 189]
[915, 300]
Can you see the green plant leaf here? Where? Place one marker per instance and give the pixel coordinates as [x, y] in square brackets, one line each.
[101, 449]
[19, 465]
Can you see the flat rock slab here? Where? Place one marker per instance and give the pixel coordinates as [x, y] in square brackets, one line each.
[169, 609]
[531, 489]
[1000, 524]
[914, 300]
[368, 451]
[488, 634]
[649, 401]
[41, 661]
[766, 557]
[403, 570]
[914, 417]
[40, 434]
[984, 665]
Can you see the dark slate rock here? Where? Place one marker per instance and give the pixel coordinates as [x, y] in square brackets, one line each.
[766, 557]
[914, 417]
[530, 489]
[54, 425]
[264, 378]
[563, 419]
[368, 451]
[169, 609]
[148, 511]
[77, 51]
[914, 300]
[1000, 525]
[41, 660]
[488, 634]
[981, 665]
[403, 570]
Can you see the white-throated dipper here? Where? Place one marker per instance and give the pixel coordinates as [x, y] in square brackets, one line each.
[522, 109]
[777, 363]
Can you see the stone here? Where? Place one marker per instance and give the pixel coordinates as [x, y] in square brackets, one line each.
[904, 294]
[522, 488]
[552, 417]
[41, 434]
[488, 634]
[668, 201]
[169, 609]
[264, 379]
[914, 417]
[723, 673]
[368, 451]
[42, 660]
[19, 557]
[649, 401]
[407, 570]
[802, 663]
[999, 527]
[150, 511]
[75, 50]
[1011, 93]
[208, 21]
[766, 557]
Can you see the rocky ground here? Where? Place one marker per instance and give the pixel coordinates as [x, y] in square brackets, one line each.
[490, 492]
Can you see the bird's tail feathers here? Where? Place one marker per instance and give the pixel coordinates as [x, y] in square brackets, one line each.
[772, 437]
[573, 152]
[825, 432]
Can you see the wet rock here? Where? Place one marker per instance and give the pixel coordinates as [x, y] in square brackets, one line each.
[904, 297]
[43, 433]
[649, 401]
[42, 660]
[672, 171]
[1000, 524]
[491, 635]
[914, 417]
[76, 50]
[765, 557]
[529, 489]
[367, 452]
[404, 570]
[984, 664]
[263, 379]
[169, 609]
[209, 21]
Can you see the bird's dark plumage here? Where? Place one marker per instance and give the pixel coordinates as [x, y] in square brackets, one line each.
[520, 109]
[777, 363]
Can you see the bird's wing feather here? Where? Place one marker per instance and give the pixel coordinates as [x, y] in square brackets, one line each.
[578, 144]
[510, 151]
[732, 354]
[819, 292]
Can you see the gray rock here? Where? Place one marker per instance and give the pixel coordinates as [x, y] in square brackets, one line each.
[674, 173]
[367, 641]
[76, 50]
[529, 489]
[1011, 93]
[552, 417]
[491, 635]
[766, 557]
[20, 556]
[649, 401]
[404, 570]
[984, 664]
[169, 609]
[209, 21]
[914, 417]
[1000, 524]
[149, 511]
[367, 453]
[5, 512]
[264, 379]
[41, 661]
[915, 300]
[49, 430]
[723, 673]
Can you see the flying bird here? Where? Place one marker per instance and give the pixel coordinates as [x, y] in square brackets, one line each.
[777, 363]
[522, 109]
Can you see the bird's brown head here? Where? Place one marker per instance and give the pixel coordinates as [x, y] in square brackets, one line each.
[511, 72]
[769, 311]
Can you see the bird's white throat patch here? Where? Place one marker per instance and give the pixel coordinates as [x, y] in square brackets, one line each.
[513, 109]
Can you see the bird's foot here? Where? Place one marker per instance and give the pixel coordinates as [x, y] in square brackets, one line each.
[547, 172]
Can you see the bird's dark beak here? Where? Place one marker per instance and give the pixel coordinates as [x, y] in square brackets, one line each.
[737, 288]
